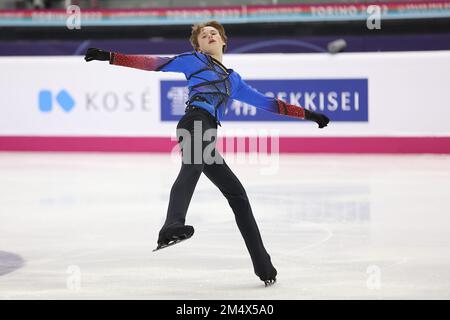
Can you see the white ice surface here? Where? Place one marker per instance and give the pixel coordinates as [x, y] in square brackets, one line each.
[336, 227]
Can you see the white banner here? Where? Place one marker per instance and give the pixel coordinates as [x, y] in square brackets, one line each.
[408, 95]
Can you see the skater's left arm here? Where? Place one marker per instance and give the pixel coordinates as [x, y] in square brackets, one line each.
[147, 62]
[247, 94]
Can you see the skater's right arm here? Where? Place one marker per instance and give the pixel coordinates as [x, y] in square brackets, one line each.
[143, 62]
[246, 93]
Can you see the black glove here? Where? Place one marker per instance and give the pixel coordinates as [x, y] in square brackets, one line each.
[97, 54]
[321, 119]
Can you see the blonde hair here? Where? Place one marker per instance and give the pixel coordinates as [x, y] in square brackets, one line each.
[197, 28]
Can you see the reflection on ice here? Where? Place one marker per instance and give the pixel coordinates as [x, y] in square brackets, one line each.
[364, 227]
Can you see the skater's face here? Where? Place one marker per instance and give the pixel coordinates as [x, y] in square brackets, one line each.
[210, 41]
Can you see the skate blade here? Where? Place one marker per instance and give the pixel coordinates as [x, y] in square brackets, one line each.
[269, 283]
[171, 243]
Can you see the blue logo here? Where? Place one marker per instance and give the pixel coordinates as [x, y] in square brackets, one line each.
[63, 98]
[339, 99]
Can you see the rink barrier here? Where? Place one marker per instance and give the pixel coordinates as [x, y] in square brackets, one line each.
[435, 145]
[364, 95]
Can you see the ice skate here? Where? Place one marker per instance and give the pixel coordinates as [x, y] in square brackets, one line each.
[174, 235]
[269, 278]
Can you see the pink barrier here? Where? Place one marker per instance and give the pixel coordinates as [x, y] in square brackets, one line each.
[438, 145]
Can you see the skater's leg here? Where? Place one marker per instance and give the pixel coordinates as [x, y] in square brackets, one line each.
[230, 186]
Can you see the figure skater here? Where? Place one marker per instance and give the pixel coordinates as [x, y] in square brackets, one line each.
[211, 85]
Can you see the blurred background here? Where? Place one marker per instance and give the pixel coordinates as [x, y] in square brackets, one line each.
[406, 25]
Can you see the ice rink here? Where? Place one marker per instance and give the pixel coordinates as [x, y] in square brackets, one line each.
[83, 226]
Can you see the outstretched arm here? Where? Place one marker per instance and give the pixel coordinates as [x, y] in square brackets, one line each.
[143, 62]
[247, 94]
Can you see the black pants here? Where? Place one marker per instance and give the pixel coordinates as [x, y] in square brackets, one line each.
[193, 126]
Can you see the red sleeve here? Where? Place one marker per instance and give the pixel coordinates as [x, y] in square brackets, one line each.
[143, 62]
